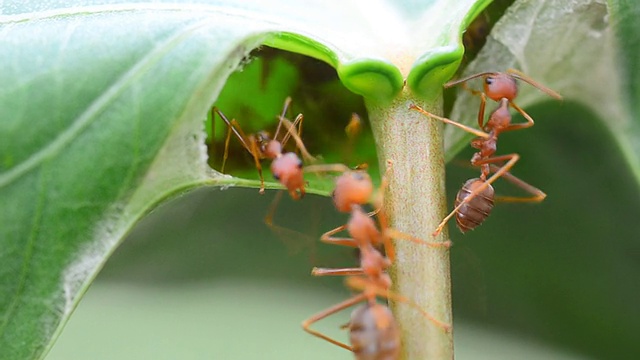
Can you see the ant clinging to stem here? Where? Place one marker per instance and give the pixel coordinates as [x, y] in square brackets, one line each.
[285, 166]
[475, 200]
[373, 330]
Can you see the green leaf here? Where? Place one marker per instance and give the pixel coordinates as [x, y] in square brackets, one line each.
[575, 48]
[89, 144]
[102, 106]
[625, 28]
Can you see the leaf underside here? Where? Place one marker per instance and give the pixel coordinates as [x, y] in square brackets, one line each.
[103, 107]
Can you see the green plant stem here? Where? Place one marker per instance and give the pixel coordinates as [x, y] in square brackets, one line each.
[415, 201]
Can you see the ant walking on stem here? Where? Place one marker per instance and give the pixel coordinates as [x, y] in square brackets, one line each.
[286, 166]
[475, 200]
[353, 190]
[373, 330]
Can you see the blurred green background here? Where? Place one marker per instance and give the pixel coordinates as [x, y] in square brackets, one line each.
[202, 277]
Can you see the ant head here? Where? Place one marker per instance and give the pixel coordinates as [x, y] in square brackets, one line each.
[352, 188]
[287, 169]
[262, 138]
[500, 85]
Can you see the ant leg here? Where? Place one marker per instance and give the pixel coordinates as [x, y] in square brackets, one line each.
[525, 125]
[316, 271]
[384, 184]
[473, 92]
[268, 219]
[468, 129]
[227, 139]
[389, 249]
[233, 125]
[292, 133]
[513, 158]
[225, 154]
[483, 105]
[399, 235]
[293, 128]
[328, 237]
[299, 120]
[285, 107]
[332, 310]
[321, 168]
[255, 152]
[248, 143]
[537, 194]
[361, 284]
[231, 128]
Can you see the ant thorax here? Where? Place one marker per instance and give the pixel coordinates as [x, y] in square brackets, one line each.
[271, 148]
[500, 118]
[362, 228]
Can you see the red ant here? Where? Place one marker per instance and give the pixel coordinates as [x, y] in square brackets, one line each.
[498, 86]
[353, 189]
[286, 167]
[475, 200]
[373, 331]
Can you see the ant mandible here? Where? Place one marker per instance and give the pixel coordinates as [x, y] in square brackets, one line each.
[286, 167]
[373, 331]
[475, 200]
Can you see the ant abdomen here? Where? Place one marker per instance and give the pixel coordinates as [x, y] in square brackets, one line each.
[472, 213]
[374, 333]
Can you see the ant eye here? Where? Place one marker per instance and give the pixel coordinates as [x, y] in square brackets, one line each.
[276, 176]
[489, 80]
[299, 164]
[358, 176]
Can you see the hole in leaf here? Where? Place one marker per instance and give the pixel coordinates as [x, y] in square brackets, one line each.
[254, 96]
